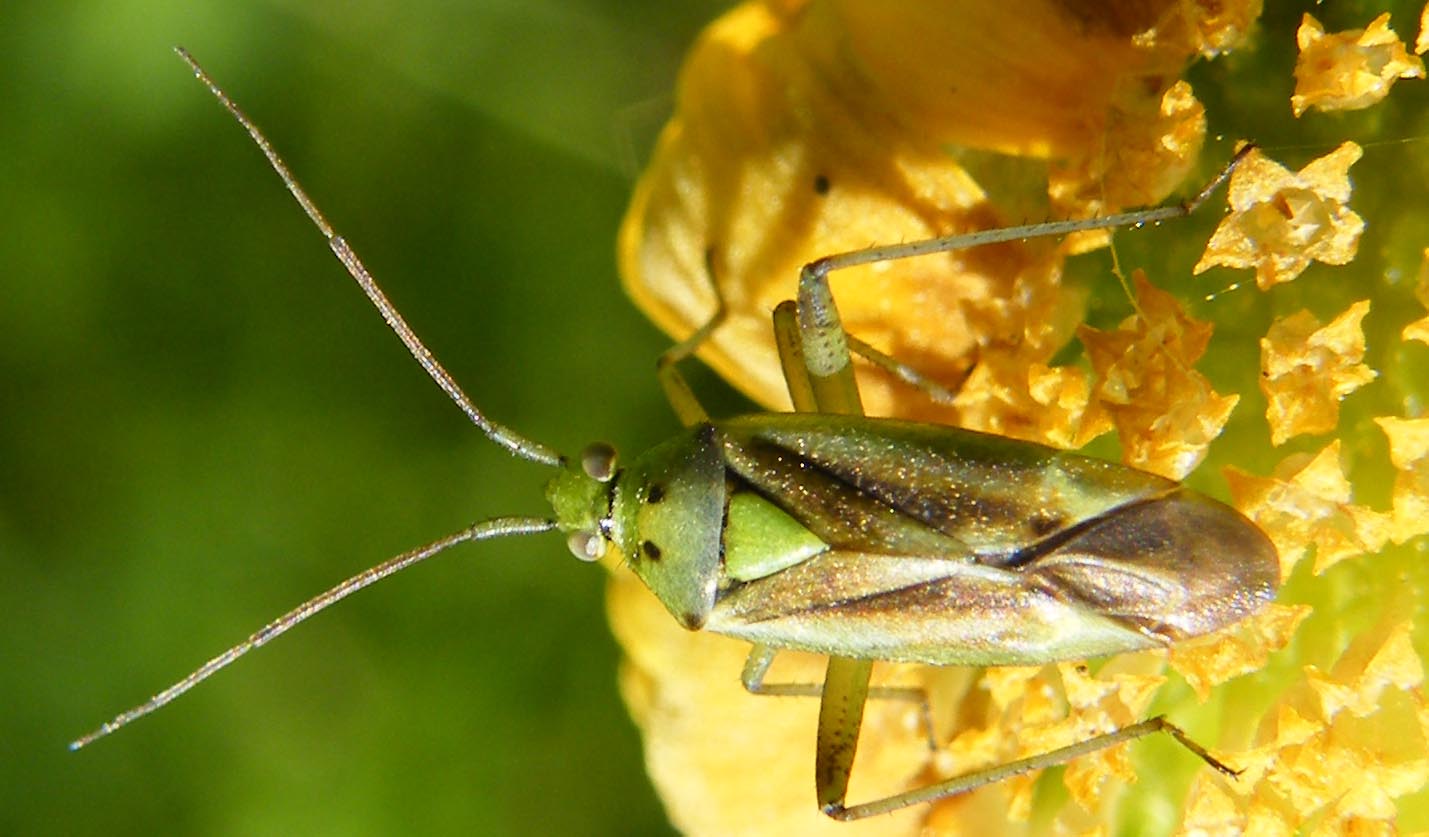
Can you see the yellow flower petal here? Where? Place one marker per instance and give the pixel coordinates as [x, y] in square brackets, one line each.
[809, 128]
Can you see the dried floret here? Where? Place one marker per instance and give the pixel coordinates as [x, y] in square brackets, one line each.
[1206, 28]
[1282, 221]
[1151, 145]
[1032, 710]
[1409, 451]
[1238, 649]
[1099, 703]
[1308, 502]
[1011, 390]
[1419, 329]
[1164, 410]
[1340, 747]
[1305, 370]
[1011, 397]
[1349, 70]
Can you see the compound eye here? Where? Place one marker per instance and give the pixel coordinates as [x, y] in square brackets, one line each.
[598, 462]
[586, 545]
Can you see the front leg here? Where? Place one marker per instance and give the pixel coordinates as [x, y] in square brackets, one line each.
[677, 390]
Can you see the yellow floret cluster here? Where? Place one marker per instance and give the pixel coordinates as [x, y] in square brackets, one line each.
[805, 128]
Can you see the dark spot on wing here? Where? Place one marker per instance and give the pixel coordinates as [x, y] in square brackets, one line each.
[650, 550]
[1043, 523]
[821, 184]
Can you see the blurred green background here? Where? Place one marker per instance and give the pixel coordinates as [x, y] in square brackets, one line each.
[204, 422]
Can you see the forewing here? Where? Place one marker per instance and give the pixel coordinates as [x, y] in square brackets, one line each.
[879, 485]
[912, 609]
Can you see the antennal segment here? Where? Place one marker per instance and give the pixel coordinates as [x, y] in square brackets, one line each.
[477, 532]
[501, 435]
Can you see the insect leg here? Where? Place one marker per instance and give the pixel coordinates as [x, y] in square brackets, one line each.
[826, 344]
[677, 390]
[796, 375]
[996, 773]
[819, 269]
[935, 391]
[827, 370]
[826, 358]
[756, 665]
[791, 357]
[840, 720]
[801, 390]
[761, 657]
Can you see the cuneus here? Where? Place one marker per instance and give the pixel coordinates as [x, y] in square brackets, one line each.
[862, 538]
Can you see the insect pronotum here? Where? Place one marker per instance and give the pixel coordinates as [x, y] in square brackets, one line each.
[861, 538]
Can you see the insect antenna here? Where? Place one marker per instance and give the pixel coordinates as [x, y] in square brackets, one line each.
[501, 435]
[476, 532]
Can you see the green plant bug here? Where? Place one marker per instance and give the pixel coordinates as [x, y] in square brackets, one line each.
[861, 538]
